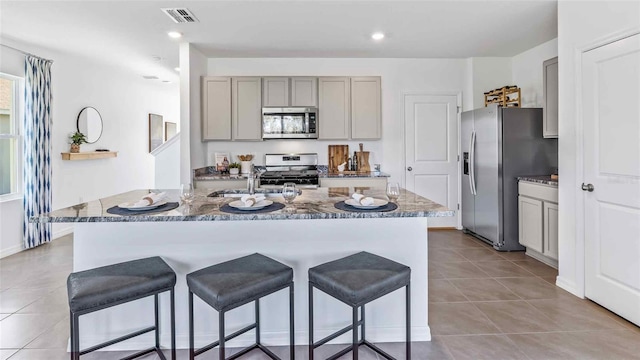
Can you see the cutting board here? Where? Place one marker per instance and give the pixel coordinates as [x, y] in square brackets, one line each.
[338, 154]
[363, 160]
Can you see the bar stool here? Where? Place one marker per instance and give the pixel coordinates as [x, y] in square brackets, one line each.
[237, 282]
[107, 286]
[357, 280]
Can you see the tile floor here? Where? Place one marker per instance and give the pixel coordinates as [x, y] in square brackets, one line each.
[482, 305]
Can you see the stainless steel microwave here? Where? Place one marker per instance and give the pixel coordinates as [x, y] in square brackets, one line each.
[289, 123]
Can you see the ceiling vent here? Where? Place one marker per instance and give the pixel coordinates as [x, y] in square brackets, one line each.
[180, 15]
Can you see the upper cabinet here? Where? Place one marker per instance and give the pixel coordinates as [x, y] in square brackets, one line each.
[246, 105]
[334, 108]
[366, 121]
[304, 91]
[275, 91]
[284, 91]
[550, 107]
[216, 108]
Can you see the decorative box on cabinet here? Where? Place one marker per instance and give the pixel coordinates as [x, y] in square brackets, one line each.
[538, 221]
[550, 106]
[216, 108]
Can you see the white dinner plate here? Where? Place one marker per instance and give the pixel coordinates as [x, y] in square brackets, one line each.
[376, 204]
[238, 204]
[130, 206]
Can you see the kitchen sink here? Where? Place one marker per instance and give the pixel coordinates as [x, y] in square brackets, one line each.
[240, 193]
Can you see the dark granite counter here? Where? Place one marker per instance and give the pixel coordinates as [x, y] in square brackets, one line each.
[209, 173]
[539, 179]
[311, 204]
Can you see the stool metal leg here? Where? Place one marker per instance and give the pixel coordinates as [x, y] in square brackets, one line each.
[221, 336]
[191, 345]
[257, 321]
[355, 333]
[310, 321]
[173, 324]
[408, 321]
[362, 320]
[292, 351]
[156, 317]
[72, 333]
[75, 338]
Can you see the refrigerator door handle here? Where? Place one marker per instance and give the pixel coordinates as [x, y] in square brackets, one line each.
[472, 163]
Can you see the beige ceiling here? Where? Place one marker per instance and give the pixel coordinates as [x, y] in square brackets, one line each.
[129, 33]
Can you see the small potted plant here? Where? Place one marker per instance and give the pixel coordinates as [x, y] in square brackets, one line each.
[77, 139]
[234, 168]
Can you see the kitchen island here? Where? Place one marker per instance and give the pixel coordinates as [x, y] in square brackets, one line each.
[307, 233]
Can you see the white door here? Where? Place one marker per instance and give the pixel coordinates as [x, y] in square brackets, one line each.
[611, 115]
[431, 141]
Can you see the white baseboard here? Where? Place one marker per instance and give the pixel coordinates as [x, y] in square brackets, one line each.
[542, 258]
[569, 286]
[62, 232]
[267, 338]
[10, 251]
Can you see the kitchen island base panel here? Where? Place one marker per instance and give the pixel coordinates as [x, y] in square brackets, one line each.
[301, 244]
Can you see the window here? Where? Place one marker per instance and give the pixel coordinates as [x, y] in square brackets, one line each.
[10, 137]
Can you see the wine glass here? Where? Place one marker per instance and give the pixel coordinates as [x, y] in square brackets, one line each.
[289, 192]
[186, 193]
[393, 191]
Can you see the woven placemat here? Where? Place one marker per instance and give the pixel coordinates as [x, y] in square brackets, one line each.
[231, 210]
[116, 210]
[343, 206]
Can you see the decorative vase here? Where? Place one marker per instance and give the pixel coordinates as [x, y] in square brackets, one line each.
[234, 171]
[245, 167]
[75, 148]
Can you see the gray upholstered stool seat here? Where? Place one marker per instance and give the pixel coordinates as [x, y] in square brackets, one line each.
[107, 286]
[356, 280]
[118, 283]
[236, 282]
[231, 284]
[359, 278]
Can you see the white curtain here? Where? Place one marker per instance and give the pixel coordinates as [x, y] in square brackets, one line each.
[37, 149]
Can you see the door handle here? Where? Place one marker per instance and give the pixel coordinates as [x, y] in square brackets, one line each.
[409, 168]
[588, 187]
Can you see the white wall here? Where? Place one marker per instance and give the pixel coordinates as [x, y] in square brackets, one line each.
[193, 66]
[167, 164]
[124, 100]
[526, 70]
[488, 73]
[398, 76]
[580, 24]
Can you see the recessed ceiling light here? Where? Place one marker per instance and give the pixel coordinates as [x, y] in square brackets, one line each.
[177, 69]
[377, 36]
[174, 34]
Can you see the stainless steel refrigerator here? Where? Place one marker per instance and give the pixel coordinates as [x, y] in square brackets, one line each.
[498, 145]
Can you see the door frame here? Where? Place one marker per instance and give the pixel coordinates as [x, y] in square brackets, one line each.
[578, 287]
[458, 95]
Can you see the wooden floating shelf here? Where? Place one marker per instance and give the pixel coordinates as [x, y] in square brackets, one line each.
[89, 155]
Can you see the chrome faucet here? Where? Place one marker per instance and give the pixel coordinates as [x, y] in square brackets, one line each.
[252, 177]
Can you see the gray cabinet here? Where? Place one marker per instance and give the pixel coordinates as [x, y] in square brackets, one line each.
[538, 221]
[334, 110]
[530, 223]
[550, 106]
[275, 91]
[366, 121]
[246, 108]
[216, 108]
[304, 91]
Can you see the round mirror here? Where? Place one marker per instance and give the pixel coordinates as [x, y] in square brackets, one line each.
[90, 124]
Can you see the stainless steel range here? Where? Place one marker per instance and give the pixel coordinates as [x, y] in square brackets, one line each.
[300, 169]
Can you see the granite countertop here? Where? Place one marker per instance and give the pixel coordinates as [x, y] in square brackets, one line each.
[209, 173]
[540, 179]
[312, 204]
